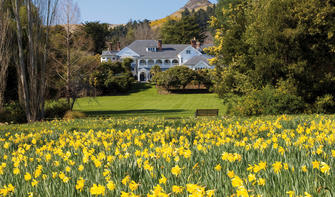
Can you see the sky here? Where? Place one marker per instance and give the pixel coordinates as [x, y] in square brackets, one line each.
[122, 11]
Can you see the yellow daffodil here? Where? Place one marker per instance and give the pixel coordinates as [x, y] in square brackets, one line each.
[97, 190]
[176, 170]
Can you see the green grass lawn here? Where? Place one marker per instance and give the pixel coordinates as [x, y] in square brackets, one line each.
[148, 103]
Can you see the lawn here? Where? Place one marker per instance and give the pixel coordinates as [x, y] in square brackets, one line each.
[149, 103]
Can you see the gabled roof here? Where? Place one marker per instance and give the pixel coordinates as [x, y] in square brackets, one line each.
[109, 53]
[169, 51]
[189, 48]
[196, 59]
[128, 52]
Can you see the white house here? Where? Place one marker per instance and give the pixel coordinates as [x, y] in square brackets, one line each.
[147, 53]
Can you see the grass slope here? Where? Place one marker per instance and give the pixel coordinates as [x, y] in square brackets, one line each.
[148, 102]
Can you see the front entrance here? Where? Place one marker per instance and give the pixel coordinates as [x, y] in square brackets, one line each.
[142, 76]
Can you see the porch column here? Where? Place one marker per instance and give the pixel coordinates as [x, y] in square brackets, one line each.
[163, 63]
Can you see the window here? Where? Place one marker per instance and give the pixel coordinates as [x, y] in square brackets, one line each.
[188, 51]
[181, 60]
[151, 49]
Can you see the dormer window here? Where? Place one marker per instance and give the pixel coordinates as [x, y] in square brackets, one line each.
[188, 51]
[152, 49]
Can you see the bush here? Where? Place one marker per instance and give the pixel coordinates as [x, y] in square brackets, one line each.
[13, 113]
[55, 109]
[268, 101]
[325, 104]
[74, 115]
[113, 77]
[120, 83]
[178, 77]
[204, 77]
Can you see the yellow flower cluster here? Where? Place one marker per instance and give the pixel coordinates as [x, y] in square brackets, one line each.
[155, 157]
[6, 190]
[231, 157]
[97, 189]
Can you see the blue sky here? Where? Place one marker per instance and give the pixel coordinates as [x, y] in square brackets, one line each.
[121, 11]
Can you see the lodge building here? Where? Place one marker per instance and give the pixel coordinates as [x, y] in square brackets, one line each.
[147, 53]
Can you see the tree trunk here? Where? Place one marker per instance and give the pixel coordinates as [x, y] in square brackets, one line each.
[21, 67]
[3, 78]
[68, 62]
[2, 102]
[43, 66]
[33, 77]
[4, 52]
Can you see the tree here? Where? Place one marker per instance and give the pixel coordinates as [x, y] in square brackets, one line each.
[191, 25]
[155, 69]
[175, 77]
[133, 30]
[182, 31]
[99, 33]
[286, 45]
[32, 62]
[113, 77]
[72, 73]
[203, 77]
[5, 52]
[70, 15]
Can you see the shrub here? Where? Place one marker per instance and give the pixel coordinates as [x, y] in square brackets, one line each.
[178, 77]
[155, 69]
[325, 104]
[74, 115]
[120, 83]
[13, 113]
[267, 101]
[204, 77]
[113, 77]
[55, 109]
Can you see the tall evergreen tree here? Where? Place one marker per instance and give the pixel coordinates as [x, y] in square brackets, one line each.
[182, 31]
[99, 33]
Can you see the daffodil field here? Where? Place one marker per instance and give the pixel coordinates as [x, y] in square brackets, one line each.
[270, 156]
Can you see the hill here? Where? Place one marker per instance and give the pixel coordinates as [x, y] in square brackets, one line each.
[196, 4]
[190, 5]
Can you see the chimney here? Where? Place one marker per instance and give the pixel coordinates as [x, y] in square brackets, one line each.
[118, 46]
[198, 45]
[110, 46]
[160, 45]
[194, 43]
